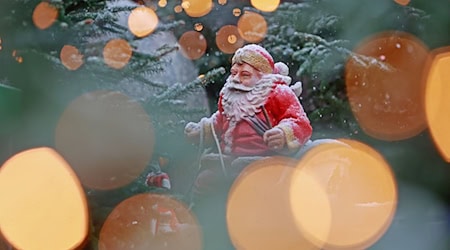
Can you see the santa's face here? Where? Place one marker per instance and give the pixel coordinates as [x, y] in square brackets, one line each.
[243, 77]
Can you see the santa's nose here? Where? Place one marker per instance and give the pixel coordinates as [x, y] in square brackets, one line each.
[235, 79]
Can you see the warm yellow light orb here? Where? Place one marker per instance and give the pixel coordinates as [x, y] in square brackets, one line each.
[252, 27]
[360, 189]
[197, 8]
[117, 53]
[265, 5]
[437, 96]
[223, 41]
[142, 21]
[42, 203]
[259, 214]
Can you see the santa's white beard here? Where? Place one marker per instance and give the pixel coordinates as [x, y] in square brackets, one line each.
[240, 101]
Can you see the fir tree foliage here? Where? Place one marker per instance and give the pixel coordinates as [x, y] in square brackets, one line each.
[308, 36]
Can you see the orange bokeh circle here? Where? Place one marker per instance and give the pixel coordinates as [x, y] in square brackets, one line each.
[71, 57]
[361, 191]
[107, 138]
[150, 221]
[437, 95]
[193, 44]
[197, 8]
[42, 203]
[265, 5]
[142, 21]
[117, 53]
[388, 101]
[252, 27]
[228, 39]
[44, 15]
[259, 214]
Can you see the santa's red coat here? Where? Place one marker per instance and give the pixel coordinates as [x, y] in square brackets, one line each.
[283, 110]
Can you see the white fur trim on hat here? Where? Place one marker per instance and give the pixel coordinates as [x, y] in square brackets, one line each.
[281, 68]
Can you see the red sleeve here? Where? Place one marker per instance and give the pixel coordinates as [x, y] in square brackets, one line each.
[288, 115]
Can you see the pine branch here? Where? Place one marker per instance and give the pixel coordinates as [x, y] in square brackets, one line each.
[179, 89]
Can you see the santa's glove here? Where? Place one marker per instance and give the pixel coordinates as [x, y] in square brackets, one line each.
[158, 179]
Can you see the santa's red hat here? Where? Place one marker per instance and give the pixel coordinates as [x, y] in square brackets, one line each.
[260, 59]
[256, 56]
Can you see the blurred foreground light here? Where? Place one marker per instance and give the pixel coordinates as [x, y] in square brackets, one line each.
[437, 96]
[117, 53]
[265, 5]
[197, 8]
[387, 100]
[252, 27]
[228, 39]
[142, 21]
[361, 192]
[403, 2]
[150, 221]
[42, 203]
[44, 15]
[193, 44]
[71, 57]
[107, 137]
[259, 214]
[421, 221]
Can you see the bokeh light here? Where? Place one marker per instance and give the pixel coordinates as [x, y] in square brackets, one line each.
[162, 3]
[236, 12]
[150, 221]
[361, 191]
[193, 44]
[107, 138]
[42, 204]
[197, 8]
[71, 57]
[311, 208]
[44, 15]
[437, 96]
[259, 214]
[252, 27]
[198, 26]
[265, 5]
[178, 9]
[117, 53]
[388, 101]
[403, 2]
[228, 39]
[142, 21]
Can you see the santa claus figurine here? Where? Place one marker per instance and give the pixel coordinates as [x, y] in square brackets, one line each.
[258, 114]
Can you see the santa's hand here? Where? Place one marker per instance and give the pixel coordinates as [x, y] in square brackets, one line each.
[275, 138]
[192, 129]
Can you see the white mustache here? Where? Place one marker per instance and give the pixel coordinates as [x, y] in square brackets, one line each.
[236, 85]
